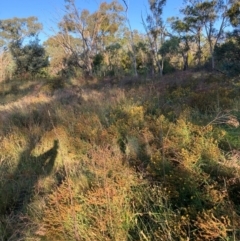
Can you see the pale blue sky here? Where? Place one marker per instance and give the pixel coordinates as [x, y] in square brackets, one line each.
[49, 12]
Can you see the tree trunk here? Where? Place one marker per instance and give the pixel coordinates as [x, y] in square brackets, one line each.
[211, 52]
[185, 61]
[134, 60]
[213, 60]
[88, 64]
[135, 65]
[160, 66]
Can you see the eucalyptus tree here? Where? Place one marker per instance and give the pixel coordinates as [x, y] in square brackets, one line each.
[14, 33]
[17, 29]
[185, 37]
[209, 17]
[234, 13]
[156, 32]
[228, 53]
[170, 47]
[143, 57]
[132, 48]
[94, 30]
[113, 57]
[192, 25]
[59, 55]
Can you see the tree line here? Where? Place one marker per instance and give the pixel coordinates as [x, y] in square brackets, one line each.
[102, 43]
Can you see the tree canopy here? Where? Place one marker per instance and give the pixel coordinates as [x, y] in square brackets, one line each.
[83, 38]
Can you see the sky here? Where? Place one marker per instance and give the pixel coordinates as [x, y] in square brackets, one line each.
[49, 12]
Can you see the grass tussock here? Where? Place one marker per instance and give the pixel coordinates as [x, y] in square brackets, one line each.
[155, 160]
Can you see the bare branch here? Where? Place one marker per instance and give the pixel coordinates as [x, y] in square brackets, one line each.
[125, 5]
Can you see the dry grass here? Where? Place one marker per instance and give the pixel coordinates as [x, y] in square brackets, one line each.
[115, 161]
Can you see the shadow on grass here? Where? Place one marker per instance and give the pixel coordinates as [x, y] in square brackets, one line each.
[29, 170]
[14, 90]
[19, 190]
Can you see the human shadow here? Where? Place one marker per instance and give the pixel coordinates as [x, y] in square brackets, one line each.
[29, 170]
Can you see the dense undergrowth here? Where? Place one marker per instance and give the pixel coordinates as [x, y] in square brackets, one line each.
[120, 160]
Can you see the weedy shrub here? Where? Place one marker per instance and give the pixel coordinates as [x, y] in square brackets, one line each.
[154, 218]
[14, 90]
[186, 159]
[115, 163]
[212, 99]
[211, 228]
[231, 140]
[102, 212]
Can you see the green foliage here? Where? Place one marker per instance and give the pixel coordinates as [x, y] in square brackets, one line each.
[234, 13]
[30, 58]
[168, 67]
[15, 29]
[90, 29]
[98, 59]
[56, 54]
[231, 140]
[170, 47]
[227, 54]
